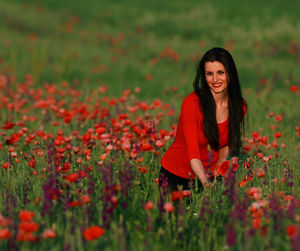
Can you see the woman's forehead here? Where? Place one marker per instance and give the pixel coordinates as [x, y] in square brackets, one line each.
[215, 65]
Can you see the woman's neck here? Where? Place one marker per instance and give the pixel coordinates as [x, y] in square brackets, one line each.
[220, 99]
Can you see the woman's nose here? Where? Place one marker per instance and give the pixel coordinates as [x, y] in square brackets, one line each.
[215, 77]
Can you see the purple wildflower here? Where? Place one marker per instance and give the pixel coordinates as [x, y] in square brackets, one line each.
[203, 210]
[230, 236]
[11, 202]
[230, 188]
[149, 223]
[276, 212]
[290, 212]
[163, 190]
[27, 188]
[109, 194]
[125, 178]
[295, 243]
[288, 174]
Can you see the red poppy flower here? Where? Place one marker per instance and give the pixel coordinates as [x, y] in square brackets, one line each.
[68, 118]
[74, 204]
[148, 77]
[112, 101]
[168, 207]
[223, 168]
[264, 140]
[4, 221]
[71, 177]
[55, 123]
[146, 147]
[247, 164]
[277, 135]
[143, 106]
[13, 139]
[159, 143]
[234, 162]
[9, 125]
[82, 174]
[294, 88]
[5, 165]
[255, 135]
[85, 199]
[4, 233]
[256, 223]
[247, 147]
[28, 226]
[242, 183]
[260, 173]
[137, 89]
[114, 201]
[103, 156]
[26, 236]
[291, 230]
[260, 155]
[78, 160]
[149, 205]
[254, 192]
[171, 112]
[100, 130]
[48, 233]
[32, 163]
[25, 215]
[264, 81]
[278, 118]
[93, 233]
[288, 197]
[103, 89]
[143, 169]
[177, 195]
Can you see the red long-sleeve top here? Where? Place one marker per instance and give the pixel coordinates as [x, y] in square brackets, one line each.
[190, 141]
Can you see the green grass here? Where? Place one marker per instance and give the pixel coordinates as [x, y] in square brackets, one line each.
[118, 43]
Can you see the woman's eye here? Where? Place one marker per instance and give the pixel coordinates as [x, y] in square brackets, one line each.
[221, 72]
[209, 73]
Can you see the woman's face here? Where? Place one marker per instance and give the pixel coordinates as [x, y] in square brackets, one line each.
[216, 77]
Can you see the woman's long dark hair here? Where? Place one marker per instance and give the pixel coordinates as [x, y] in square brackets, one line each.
[208, 105]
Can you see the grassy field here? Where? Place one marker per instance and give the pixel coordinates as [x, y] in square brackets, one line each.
[89, 97]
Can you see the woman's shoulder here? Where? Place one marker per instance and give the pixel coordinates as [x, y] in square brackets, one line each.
[191, 104]
[191, 98]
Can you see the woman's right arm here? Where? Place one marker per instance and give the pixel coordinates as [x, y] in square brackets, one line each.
[189, 112]
[198, 169]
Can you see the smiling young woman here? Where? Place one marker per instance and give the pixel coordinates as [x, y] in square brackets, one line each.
[209, 126]
[216, 78]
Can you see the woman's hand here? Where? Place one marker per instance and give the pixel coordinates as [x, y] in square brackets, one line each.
[207, 185]
[198, 169]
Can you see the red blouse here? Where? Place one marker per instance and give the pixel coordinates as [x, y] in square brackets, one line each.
[190, 142]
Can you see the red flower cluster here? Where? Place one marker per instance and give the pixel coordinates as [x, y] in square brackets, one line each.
[27, 227]
[93, 233]
[179, 195]
[222, 168]
[4, 231]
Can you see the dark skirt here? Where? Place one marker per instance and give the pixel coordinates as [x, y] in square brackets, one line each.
[171, 182]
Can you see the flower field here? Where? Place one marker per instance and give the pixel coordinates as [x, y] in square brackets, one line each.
[89, 101]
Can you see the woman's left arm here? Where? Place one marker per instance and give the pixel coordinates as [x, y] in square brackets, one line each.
[223, 154]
